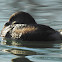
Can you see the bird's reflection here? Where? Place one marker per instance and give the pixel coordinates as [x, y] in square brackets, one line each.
[21, 59]
[21, 52]
[31, 44]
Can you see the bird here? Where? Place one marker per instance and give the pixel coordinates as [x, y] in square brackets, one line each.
[22, 26]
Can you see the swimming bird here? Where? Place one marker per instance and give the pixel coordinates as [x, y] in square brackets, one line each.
[22, 26]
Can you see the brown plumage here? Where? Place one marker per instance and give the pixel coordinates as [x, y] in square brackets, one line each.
[21, 25]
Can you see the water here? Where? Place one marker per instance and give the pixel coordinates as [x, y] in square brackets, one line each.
[47, 12]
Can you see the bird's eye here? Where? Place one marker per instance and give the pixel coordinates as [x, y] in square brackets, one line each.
[7, 24]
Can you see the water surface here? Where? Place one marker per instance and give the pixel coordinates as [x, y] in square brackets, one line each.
[47, 12]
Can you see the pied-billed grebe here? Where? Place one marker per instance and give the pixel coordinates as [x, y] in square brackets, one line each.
[22, 25]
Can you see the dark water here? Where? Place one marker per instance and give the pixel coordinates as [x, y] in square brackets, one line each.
[48, 12]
